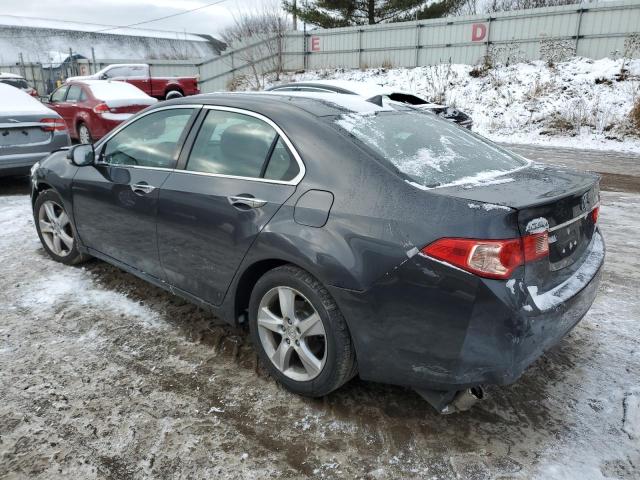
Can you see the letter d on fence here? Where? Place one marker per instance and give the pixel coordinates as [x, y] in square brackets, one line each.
[478, 32]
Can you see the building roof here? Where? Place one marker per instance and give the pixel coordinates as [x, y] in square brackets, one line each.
[43, 23]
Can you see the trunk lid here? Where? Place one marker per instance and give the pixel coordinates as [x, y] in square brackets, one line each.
[21, 132]
[544, 197]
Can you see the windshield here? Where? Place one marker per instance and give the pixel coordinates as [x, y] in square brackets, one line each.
[430, 151]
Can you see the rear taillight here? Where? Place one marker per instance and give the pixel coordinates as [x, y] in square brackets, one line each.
[489, 258]
[52, 125]
[101, 108]
[595, 213]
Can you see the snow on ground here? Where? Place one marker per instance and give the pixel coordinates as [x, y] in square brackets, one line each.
[89, 390]
[525, 102]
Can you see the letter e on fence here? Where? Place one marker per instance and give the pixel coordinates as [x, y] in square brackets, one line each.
[315, 44]
[478, 32]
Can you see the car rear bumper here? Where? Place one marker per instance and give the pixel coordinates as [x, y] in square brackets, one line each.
[431, 326]
[19, 164]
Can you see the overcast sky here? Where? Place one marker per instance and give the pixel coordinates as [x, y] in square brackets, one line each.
[124, 12]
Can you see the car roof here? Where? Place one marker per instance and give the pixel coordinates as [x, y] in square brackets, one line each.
[364, 89]
[316, 103]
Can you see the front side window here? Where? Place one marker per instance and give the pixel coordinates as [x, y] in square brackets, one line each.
[151, 141]
[58, 95]
[231, 143]
[429, 151]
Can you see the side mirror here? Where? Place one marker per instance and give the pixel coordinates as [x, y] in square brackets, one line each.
[104, 76]
[82, 155]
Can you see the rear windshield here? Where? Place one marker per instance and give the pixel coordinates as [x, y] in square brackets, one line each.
[15, 82]
[430, 151]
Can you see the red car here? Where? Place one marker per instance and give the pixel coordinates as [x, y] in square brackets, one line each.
[93, 108]
[140, 75]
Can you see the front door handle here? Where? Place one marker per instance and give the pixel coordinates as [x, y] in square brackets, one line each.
[142, 188]
[244, 202]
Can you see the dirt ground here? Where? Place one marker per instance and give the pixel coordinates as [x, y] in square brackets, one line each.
[104, 376]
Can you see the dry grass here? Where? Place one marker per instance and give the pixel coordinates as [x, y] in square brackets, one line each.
[634, 115]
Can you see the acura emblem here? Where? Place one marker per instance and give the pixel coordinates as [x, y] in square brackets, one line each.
[584, 201]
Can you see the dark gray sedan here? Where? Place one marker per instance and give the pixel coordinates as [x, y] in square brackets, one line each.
[29, 131]
[353, 239]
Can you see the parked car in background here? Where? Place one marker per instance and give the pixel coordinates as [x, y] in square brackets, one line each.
[93, 108]
[18, 81]
[376, 93]
[29, 131]
[139, 74]
[352, 238]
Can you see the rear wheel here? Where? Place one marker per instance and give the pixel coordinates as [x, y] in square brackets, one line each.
[84, 134]
[173, 94]
[55, 230]
[299, 332]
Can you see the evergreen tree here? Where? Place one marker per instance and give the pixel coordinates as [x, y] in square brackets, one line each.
[344, 13]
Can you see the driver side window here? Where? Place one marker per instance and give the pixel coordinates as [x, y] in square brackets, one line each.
[58, 95]
[151, 141]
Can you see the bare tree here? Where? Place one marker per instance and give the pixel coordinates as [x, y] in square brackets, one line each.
[256, 39]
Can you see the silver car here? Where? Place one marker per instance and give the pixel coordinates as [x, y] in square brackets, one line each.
[29, 131]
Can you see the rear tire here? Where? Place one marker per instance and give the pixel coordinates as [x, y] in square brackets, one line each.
[299, 332]
[55, 229]
[84, 134]
[173, 94]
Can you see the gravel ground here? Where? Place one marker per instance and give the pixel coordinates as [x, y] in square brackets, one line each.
[104, 376]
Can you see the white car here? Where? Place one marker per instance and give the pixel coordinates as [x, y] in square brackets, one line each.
[18, 81]
[376, 93]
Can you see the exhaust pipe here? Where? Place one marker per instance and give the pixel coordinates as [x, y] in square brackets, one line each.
[453, 401]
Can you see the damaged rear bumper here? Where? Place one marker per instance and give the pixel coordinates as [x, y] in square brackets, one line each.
[430, 326]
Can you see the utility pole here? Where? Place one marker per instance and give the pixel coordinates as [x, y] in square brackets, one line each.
[295, 15]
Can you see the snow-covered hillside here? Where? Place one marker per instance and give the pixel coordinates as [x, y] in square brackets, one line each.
[579, 103]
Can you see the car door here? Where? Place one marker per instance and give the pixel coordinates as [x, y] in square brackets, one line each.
[138, 75]
[240, 170]
[58, 104]
[71, 107]
[115, 201]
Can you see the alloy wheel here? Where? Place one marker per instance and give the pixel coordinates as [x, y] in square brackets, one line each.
[84, 134]
[292, 334]
[55, 228]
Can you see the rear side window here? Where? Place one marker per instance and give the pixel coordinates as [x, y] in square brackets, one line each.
[117, 72]
[75, 92]
[16, 82]
[282, 165]
[231, 143]
[151, 141]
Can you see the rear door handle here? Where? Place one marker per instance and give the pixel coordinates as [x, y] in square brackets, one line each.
[244, 202]
[142, 188]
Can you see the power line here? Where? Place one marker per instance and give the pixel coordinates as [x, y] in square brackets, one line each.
[202, 7]
[111, 28]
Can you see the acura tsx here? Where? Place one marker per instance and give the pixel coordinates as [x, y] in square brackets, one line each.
[352, 238]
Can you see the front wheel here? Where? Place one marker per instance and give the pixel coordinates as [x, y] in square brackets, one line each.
[299, 332]
[55, 230]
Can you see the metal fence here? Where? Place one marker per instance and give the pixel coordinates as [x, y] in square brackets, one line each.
[593, 30]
